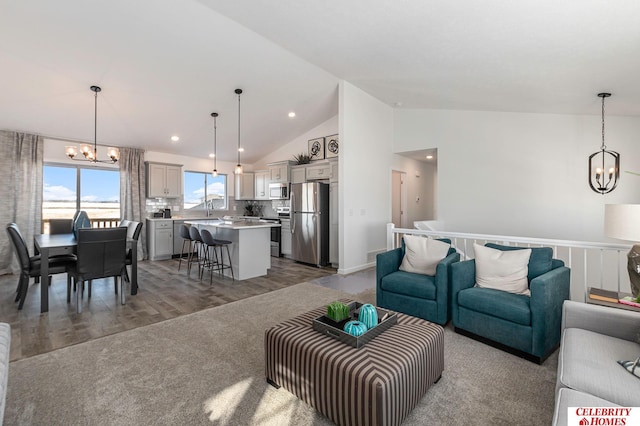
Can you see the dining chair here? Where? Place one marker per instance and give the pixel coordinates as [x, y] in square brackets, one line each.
[101, 253]
[30, 265]
[60, 226]
[133, 233]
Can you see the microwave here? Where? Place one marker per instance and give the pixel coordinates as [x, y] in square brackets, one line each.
[278, 191]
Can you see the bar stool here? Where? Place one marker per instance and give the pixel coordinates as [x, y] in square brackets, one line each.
[197, 249]
[210, 259]
[221, 265]
[186, 239]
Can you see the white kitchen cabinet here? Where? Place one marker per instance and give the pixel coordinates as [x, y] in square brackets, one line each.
[245, 186]
[164, 180]
[334, 170]
[285, 237]
[160, 239]
[334, 257]
[298, 174]
[261, 185]
[319, 172]
[279, 172]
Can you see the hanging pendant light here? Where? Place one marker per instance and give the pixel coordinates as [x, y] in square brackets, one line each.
[89, 153]
[215, 145]
[604, 165]
[238, 166]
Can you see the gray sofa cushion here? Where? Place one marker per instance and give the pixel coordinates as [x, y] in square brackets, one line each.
[587, 362]
[566, 398]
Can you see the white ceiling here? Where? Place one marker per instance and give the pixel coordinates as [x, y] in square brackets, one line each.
[165, 65]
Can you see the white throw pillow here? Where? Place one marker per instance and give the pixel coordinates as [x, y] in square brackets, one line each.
[422, 255]
[502, 270]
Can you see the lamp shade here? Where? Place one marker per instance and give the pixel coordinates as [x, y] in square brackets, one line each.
[622, 221]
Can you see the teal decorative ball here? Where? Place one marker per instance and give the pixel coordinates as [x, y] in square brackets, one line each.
[368, 315]
[355, 328]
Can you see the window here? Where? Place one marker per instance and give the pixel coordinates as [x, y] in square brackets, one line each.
[68, 188]
[201, 188]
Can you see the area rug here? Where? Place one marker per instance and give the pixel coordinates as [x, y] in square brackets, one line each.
[207, 368]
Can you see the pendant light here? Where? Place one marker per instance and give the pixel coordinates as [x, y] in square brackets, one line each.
[604, 165]
[91, 154]
[238, 166]
[215, 145]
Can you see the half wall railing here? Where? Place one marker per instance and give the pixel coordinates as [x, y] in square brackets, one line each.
[592, 264]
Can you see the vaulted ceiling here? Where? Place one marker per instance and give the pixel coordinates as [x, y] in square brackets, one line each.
[165, 65]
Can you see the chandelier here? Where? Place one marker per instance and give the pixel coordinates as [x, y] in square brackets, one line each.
[604, 165]
[88, 152]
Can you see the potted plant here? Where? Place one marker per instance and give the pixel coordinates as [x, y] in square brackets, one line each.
[302, 158]
[338, 313]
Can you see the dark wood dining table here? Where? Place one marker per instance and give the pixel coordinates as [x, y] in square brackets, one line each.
[49, 245]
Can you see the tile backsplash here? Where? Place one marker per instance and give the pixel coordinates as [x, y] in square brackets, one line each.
[236, 208]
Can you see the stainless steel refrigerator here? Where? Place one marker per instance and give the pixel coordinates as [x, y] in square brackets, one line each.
[310, 223]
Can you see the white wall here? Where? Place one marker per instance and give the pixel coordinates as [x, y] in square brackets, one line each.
[521, 174]
[419, 183]
[366, 139]
[299, 144]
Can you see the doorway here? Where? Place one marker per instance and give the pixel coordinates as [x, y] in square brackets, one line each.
[398, 199]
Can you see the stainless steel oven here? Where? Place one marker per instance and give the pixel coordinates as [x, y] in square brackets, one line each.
[279, 191]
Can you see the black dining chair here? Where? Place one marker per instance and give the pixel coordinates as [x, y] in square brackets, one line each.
[133, 233]
[30, 265]
[101, 253]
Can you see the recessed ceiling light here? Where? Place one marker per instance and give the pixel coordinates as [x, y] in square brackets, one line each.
[211, 155]
[292, 114]
[175, 138]
[397, 104]
[429, 157]
[241, 149]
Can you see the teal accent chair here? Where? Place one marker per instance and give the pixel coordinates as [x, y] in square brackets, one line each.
[423, 296]
[528, 326]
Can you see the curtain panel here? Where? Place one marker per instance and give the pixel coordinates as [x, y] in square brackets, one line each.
[21, 162]
[132, 192]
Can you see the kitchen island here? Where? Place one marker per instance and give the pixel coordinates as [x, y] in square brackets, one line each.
[250, 244]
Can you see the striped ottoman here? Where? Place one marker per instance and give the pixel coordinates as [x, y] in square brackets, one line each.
[377, 384]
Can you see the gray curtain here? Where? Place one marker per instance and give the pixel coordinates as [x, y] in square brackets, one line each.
[21, 176]
[132, 192]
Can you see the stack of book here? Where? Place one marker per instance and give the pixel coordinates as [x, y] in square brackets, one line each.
[612, 297]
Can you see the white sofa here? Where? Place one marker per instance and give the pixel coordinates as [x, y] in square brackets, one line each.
[594, 339]
[5, 343]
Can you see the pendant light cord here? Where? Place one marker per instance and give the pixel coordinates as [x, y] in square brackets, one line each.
[95, 125]
[603, 146]
[238, 92]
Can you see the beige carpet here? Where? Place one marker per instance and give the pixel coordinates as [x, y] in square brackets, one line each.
[208, 368]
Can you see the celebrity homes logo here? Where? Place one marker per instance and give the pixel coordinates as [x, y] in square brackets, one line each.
[603, 416]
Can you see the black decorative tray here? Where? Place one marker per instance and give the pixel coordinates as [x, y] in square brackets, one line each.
[328, 327]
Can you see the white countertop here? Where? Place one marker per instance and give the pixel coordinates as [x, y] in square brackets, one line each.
[236, 224]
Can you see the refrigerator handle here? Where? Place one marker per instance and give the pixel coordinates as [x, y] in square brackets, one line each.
[293, 216]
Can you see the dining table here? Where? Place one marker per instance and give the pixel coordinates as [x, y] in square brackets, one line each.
[49, 245]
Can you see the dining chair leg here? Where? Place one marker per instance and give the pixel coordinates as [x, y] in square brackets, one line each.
[115, 284]
[230, 264]
[22, 281]
[68, 288]
[122, 290]
[79, 291]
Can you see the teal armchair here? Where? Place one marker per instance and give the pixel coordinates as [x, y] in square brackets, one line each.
[528, 326]
[423, 296]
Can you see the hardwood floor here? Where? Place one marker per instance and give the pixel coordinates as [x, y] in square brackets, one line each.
[164, 293]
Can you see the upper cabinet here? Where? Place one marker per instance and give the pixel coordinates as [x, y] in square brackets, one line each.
[261, 185]
[298, 174]
[245, 185]
[318, 172]
[279, 172]
[164, 180]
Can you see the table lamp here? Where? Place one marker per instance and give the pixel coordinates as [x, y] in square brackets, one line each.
[622, 221]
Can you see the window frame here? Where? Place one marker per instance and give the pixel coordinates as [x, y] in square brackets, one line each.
[78, 168]
[207, 175]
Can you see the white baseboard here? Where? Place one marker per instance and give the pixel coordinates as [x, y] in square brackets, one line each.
[345, 271]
